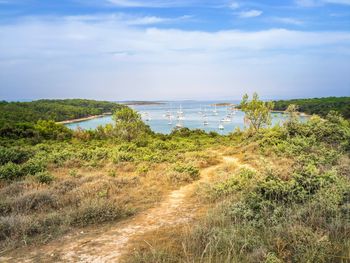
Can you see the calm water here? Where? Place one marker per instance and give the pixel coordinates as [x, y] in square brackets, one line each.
[154, 116]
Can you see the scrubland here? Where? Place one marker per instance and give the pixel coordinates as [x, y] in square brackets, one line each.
[285, 199]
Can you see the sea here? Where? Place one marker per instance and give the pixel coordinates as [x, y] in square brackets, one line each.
[195, 115]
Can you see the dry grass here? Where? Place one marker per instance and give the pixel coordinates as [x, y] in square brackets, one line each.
[80, 195]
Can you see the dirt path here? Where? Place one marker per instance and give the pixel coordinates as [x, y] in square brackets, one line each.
[108, 245]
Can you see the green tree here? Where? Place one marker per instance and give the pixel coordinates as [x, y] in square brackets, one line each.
[257, 112]
[129, 125]
[292, 111]
[51, 130]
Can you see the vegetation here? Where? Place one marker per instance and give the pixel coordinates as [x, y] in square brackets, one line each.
[257, 112]
[129, 125]
[54, 110]
[319, 106]
[58, 183]
[287, 198]
[289, 204]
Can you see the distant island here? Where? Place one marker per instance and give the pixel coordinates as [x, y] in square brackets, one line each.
[130, 103]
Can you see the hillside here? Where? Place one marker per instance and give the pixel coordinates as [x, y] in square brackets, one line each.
[56, 110]
[319, 106]
[122, 193]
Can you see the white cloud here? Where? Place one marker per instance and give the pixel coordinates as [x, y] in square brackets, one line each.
[312, 3]
[148, 3]
[288, 20]
[250, 13]
[121, 19]
[109, 59]
[344, 2]
[234, 5]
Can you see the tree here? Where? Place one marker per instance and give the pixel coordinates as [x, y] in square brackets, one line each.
[292, 111]
[129, 125]
[257, 112]
[292, 123]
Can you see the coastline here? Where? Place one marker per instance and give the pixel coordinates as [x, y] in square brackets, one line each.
[85, 118]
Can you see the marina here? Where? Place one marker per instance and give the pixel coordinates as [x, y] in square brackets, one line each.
[205, 115]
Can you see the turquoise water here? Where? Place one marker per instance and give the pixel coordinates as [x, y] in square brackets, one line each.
[154, 116]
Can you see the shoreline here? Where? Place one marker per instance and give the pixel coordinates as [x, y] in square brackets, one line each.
[85, 118]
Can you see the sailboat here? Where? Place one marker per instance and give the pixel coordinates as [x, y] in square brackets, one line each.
[221, 127]
[179, 125]
[200, 110]
[215, 111]
[226, 119]
[180, 112]
[146, 116]
[205, 121]
[170, 122]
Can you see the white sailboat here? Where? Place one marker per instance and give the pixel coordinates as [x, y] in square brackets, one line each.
[200, 112]
[181, 118]
[226, 119]
[205, 121]
[179, 125]
[146, 116]
[221, 127]
[215, 111]
[180, 112]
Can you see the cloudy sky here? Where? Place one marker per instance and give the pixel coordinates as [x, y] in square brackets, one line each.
[173, 49]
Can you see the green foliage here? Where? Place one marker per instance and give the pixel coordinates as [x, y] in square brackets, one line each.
[44, 177]
[73, 173]
[10, 171]
[236, 182]
[257, 112]
[129, 125]
[15, 155]
[55, 110]
[299, 213]
[320, 106]
[51, 130]
[34, 166]
[192, 171]
[123, 157]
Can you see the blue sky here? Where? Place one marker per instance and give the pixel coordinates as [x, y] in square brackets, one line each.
[162, 49]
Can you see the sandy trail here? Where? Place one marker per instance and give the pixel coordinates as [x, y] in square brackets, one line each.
[110, 244]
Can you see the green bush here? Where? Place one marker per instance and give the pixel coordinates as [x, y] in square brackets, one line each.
[14, 155]
[33, 166]
[123, 157]
[192, 171]
[236, 182]
[44, 177]
[11, 171]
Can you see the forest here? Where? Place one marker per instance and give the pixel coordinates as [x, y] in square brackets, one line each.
[320, 106]
[55, 110]
[264, 194]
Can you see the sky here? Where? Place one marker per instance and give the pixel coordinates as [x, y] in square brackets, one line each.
[174, 49]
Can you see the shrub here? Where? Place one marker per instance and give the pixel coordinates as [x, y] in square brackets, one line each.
[34, 201]
[33, 166]
[44, 177]
[51, 130]
[96, 212]
[14, 155]
[235, 183]
[192, 171]
[73, 173]
[5, 207]
[123, 157]
[11, 171]
[143, 169]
